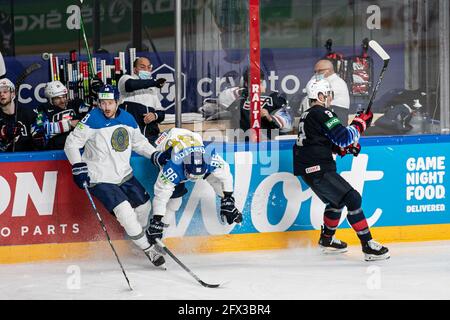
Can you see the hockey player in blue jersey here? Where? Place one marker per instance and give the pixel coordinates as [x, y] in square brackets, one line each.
[190, 161]
[108, 135]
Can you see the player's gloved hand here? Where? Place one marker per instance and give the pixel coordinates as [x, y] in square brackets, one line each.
[278, 100]
[155, 229]
[159, 83]
[338, 150]
[353, 149]
[39, 139]
[10, 131]
[228, 209]
[38, 131]
[160, 159]
[362, 121]
[80, 174]
[96, 84]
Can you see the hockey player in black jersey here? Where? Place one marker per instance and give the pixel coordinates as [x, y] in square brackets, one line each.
[15, 123]
[275, 117]
[321, 135]
[57, 117]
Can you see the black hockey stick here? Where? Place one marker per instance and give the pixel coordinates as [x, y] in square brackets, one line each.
[386, 58]
[181, 264]
[19, 81]
[99, 218]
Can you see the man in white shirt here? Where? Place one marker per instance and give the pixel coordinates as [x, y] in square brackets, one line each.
[341, 101]
[139, 96]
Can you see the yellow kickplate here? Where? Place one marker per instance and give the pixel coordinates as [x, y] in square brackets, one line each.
[220, 243]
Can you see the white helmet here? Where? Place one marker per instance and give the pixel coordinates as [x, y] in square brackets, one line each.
[314, 87]
[7, 83]
[55, 89]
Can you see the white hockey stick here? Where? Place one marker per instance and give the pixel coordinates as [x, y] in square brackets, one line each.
[379, 50]
[386, 58]
[2, 66]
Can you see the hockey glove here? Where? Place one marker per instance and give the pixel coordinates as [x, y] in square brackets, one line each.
[159, 83]
[39, 139]
[362, 121]
[80, 174]
[38, 131]
[339, 151]
[10, 131]
[353, 149]
[278, 100]
[228, 209]
[160, 159]
[155, 229]
[96, 84]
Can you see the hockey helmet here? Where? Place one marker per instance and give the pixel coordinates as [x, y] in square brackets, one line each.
[55, 89]
[195, 166]
[108, 92]
[7, 83]
[317, 86]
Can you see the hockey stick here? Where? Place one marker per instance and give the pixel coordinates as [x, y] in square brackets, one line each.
[99, 218]
[20, 80]
[386, 58]
[2, 66]
[181, 264]
[86, 43]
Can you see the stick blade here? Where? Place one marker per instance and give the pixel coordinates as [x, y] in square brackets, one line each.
[379, 50]
[208, 285]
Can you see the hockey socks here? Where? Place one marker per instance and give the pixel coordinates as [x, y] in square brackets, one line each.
[358, 222]
[331, 220]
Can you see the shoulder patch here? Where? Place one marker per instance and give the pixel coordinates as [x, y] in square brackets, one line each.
[80, 126]
[333, 122]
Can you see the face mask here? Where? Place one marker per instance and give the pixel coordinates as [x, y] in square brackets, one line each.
[319, 76]
[145, 75]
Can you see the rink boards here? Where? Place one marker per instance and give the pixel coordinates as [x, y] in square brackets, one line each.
[402, 179]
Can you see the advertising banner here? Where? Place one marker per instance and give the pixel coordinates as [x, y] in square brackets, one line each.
[403, 182]
[39, 203]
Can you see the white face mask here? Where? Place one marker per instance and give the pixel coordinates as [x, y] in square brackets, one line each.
[319, 76]
[144, 75]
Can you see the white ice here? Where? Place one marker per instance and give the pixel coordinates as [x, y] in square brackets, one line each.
[415, 271]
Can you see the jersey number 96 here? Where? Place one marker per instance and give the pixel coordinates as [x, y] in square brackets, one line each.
[170, 174]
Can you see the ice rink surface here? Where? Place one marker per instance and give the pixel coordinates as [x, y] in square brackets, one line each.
[415, 271]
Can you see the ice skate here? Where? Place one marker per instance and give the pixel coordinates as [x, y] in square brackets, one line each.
[331, 245]
[374, 251]
[155, 256]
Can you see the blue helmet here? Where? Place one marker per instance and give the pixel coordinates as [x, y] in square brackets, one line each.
[195, 166]
[108, 92]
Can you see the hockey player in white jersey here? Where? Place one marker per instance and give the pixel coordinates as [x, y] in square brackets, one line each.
[109, 135]
[190, 161]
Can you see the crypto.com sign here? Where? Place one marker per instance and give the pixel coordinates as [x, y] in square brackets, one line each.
[167, 93]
